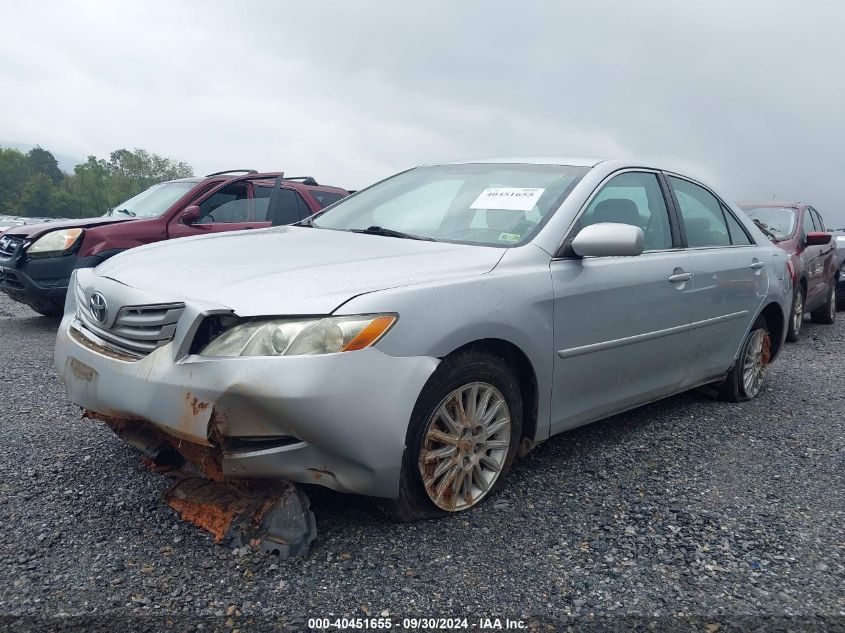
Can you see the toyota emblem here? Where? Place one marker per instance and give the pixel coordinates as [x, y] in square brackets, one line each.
[99, 308]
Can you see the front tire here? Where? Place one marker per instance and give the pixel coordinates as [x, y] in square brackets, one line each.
[745, 379]
[463, 437]
[826, 314]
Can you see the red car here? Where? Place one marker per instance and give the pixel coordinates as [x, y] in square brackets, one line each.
[36, 260]
[798, 229]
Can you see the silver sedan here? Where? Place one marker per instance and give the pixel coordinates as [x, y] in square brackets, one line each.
[412, 339]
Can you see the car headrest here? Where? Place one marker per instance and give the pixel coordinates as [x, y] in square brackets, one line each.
[619, 210]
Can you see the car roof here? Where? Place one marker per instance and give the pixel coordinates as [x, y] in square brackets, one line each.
[534, 160]
[769, 203]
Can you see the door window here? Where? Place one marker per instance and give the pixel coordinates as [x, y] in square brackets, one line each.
[817, 220]
[287, 207]
[807, 222]
[633, 198]
[325, 198]
[227, 205]
[739, 236]
[261, 193]
[702, 214]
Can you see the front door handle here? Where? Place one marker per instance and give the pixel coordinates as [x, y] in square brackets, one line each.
[755, 265]
[678, 277]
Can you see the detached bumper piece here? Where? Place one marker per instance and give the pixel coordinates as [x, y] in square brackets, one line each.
[273, 519]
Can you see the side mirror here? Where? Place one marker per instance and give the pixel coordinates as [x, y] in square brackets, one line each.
[608, 239]
[191, 214]
[817, 238]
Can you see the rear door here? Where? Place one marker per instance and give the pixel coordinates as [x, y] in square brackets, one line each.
[729, 281]
[240, 204]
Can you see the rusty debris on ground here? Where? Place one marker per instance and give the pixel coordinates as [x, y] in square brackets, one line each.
[274, 519]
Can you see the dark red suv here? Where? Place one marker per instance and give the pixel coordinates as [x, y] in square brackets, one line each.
[798, 229]
[36, 261]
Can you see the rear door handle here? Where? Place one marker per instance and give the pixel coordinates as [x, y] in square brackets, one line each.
[677, 277]
[755, 265]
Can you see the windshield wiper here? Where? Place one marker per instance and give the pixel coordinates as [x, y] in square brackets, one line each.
[380, 230]
[126, 212]
[765, 229]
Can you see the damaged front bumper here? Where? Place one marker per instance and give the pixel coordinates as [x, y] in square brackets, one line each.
[337, 420]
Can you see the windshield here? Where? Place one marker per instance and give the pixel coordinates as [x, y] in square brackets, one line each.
[154, 201]
[488, 204]
[778, 220]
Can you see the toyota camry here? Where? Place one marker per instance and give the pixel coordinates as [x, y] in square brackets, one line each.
[410, 341]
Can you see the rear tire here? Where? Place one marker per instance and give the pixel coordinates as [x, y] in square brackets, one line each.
[745, 379]
[796, 316]
[827, 312]
[449, 432]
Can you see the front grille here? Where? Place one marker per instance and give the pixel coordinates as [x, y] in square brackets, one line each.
[9, 244]
[137, 330]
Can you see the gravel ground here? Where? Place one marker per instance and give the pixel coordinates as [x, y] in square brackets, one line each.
[726, 516]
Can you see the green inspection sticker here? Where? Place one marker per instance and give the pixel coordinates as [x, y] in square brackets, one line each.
[509, 237]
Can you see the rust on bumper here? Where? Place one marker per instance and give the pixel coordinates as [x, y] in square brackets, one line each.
[206, 459]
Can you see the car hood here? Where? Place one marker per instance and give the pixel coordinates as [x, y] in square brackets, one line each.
[291, 270]
[35, 230]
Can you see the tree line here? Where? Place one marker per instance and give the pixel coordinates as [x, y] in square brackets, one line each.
[32, 185]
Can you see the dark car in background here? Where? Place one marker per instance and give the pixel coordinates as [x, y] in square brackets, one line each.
[839, 246]
[36, 261]
[798, 229]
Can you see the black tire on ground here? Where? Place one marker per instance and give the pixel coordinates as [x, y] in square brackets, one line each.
[454, 372]
[733, 387]
[795, 324]
[826, 313]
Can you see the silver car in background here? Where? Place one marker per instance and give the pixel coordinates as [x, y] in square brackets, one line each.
[414, 337]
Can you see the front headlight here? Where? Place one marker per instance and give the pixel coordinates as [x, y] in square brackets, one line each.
[54, 243]
[297, 337]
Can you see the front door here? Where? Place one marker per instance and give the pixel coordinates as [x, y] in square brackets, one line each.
[620, 323]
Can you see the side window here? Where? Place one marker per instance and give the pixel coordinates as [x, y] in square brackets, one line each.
[260, 200]
[633, 198]
[325, 198]
[817, 220]
[702, 214]
[286, 207]
[807, 222]
[739, 236]
[229, 204]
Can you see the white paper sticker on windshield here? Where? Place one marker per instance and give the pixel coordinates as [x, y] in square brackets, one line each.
[508, 198]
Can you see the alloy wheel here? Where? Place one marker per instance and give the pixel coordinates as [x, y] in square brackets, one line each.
[798, 311]
[465, 446]
[756, 357]
[833, 302]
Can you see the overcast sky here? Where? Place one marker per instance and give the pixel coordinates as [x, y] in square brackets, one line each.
[747, 95]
